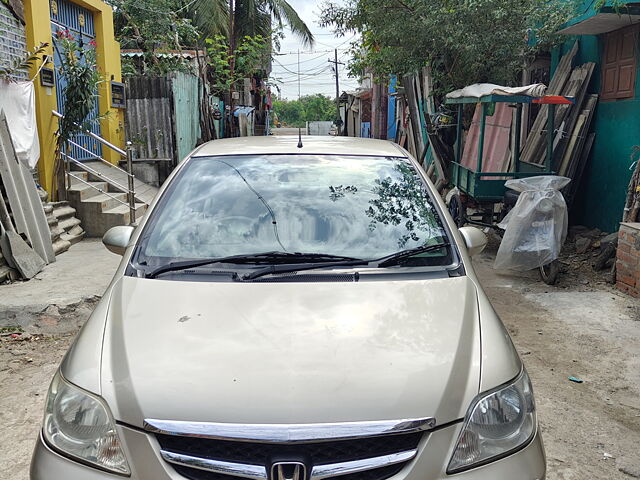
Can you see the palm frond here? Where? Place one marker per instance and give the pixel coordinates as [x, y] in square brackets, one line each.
[283, 12]
[211, 17]
[23, 64]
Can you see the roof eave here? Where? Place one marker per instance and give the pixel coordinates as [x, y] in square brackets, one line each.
[603, 20]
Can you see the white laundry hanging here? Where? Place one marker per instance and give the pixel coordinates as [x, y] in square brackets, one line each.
[18, 100]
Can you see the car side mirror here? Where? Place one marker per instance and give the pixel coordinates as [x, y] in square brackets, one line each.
[116, 239]
[474, 238]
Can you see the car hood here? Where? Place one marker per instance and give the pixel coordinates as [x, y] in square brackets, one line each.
[291, 352]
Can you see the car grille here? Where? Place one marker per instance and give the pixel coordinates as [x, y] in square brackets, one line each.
[316, 453]
[376, 474]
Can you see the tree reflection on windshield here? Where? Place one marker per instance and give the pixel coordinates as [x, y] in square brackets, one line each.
[404, 200]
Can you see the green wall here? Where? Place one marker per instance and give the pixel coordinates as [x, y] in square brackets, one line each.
[600, 200]
[604, 185]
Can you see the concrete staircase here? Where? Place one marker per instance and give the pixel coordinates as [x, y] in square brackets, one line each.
[97, 205]
[64, 225]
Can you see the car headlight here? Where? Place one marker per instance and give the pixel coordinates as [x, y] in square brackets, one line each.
[497, 423]
[79, 425]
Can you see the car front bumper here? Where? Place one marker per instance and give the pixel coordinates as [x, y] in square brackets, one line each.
[435, 450]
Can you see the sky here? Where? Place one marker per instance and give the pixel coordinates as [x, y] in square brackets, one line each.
[316, 72]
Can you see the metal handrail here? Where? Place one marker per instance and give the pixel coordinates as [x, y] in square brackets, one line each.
[131, 197]
[96, 173]
[95, 137]
[98, 188]
[98, 157]
[129, 190]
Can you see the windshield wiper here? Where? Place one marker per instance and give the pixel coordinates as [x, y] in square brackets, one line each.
[250, 258]
[381, 262]
[273, 269]
[397, 257]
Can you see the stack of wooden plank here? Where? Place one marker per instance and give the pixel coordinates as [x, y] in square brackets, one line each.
[418, 134]
[572, 140]
[535, 146]
[578, 147]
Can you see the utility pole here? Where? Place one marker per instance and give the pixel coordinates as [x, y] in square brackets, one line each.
[335, 69]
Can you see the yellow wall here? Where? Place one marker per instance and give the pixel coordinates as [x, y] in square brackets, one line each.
[37, 18]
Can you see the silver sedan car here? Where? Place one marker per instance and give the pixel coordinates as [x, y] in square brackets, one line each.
[289, 312]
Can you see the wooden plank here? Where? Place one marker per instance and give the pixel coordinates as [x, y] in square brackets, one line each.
[536, 136]
[582, 163]
[571, 146]
[408, 82]
[574, 111]
[589, 112]
[427, 90]
[572, 88]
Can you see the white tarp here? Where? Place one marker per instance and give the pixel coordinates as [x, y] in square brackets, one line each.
[18, 100]
[478, 90]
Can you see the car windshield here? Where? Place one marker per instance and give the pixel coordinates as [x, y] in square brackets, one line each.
[352, 206]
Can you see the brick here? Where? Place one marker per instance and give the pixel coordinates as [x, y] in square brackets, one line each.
[624, 247]
[627, 237]
[626, 279]
[627, 289]
[627, 258]
[624, 268]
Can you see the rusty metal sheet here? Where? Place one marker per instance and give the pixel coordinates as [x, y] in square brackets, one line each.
[497, 138]
[149, 115]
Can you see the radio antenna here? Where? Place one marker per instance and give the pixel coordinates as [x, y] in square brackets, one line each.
[299, 128]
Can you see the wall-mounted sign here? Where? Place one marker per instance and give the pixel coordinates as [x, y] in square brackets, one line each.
[47, 78]
[117, 95]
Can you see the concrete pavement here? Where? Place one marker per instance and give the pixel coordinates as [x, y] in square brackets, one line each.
[81, 273]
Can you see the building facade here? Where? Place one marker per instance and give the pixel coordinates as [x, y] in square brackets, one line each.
[89, 21]
[608, 36]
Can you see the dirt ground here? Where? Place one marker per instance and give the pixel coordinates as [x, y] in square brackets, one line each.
[582, 327]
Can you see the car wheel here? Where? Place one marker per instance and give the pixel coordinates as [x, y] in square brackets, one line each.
[456, 209]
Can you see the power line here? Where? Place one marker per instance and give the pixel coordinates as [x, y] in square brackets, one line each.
[340, 44]
[306, 78]
[307, 53]
[309, 73]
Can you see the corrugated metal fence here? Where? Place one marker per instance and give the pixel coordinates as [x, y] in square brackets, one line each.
[149, 118]
[162, 116]
[186, 109]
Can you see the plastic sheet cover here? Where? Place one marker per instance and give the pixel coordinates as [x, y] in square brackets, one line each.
[536, 227]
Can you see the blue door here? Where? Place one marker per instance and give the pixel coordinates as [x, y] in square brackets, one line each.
[78, 21]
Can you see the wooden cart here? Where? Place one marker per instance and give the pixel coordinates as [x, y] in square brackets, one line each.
[482, 190]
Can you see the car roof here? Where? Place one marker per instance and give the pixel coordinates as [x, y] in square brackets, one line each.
[328, 145]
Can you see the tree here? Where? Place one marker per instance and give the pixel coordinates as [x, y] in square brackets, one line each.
[154, 26]
[251, 54]
[237, 19]
[289, 112]
[463, 42]
[310, 108]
